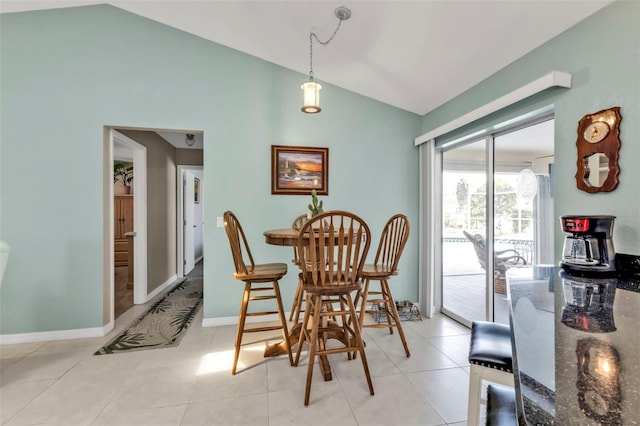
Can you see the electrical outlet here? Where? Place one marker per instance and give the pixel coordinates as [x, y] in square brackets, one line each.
[219, 222]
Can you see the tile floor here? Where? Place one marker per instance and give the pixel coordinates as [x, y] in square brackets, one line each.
[62, 383]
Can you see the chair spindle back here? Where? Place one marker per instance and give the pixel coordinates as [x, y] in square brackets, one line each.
[334, 246]
[238, 242]
[392, 242]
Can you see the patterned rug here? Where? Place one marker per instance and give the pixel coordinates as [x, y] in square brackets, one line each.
[164, 324]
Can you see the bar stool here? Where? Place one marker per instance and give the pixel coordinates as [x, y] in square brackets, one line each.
[501, 406]
[258, 278]
[491, 359]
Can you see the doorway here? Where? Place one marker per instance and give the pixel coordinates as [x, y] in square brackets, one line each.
[496, 213]
[156, 253]
[190, 217]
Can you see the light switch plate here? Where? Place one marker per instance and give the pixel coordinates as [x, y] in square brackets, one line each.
[219, 222]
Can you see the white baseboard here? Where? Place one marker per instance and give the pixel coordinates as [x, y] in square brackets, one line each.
[215, 322]
[162, 287]
[45, 336]
[81, 333]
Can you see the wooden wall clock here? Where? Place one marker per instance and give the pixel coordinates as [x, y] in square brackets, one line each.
[598, 151]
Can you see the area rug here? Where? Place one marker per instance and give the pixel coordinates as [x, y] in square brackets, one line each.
[164, 324]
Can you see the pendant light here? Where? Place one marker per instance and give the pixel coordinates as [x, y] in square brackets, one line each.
[311, 89]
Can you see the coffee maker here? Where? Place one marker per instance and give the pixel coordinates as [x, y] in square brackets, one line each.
[588, 249]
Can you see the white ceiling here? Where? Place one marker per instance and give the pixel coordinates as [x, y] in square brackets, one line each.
[415, 55]
[177, 138]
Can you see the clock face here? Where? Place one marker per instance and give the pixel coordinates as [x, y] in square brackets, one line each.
[595, 132]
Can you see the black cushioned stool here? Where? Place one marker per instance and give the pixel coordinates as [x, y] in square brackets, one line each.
[501, 406]
[490, 358]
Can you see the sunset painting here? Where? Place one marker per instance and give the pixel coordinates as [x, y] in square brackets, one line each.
[298, 170]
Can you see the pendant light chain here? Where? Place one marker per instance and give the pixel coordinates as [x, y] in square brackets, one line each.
[313, 35]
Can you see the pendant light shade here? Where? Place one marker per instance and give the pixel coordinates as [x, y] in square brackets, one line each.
[311, 97]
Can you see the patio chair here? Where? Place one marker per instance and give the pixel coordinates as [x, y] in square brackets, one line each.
[502, 259]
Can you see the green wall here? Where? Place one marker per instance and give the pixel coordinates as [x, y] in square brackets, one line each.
[603, 55]
[67, 73]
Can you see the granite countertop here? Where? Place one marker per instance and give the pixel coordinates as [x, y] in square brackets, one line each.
[576, 347]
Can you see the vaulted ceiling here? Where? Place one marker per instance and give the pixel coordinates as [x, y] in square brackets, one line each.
[415, 55]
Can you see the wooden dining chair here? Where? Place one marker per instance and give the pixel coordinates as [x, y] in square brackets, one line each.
[261, 279]
[392, 242]
[298, 298]
[333, 246]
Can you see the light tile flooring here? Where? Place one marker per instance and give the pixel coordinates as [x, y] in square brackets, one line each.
[62, 383]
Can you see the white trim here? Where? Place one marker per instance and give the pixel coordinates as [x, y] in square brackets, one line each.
[81, 333]
[428, 269]
[552, 79]
[215, 322]
[139, 215]
[46, 336]
[162, 287]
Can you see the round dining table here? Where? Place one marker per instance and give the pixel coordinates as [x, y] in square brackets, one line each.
[282, 237]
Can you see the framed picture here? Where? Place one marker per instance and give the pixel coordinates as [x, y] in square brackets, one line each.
[297, 170]
[196, 190]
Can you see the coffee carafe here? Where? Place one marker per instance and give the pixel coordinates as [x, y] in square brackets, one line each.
[588, 249]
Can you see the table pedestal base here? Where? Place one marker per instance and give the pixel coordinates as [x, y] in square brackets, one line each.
[280, 348]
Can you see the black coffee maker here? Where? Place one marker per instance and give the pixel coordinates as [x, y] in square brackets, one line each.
[588, 249]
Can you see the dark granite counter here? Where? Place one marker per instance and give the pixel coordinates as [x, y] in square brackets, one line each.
[576, 347]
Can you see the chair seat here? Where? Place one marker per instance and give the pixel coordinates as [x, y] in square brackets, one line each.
[491, 346]
[374, 272]
[332, 289]
[265, 272]
[501, 406]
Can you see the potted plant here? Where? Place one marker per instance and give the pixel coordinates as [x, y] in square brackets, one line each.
[123, 174]
[315, 207]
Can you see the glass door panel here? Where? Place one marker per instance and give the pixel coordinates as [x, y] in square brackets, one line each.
[523, 208]
[464, 213]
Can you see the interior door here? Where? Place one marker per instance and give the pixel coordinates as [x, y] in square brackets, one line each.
[188, 181]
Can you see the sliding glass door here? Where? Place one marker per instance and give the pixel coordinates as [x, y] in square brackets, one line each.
[497, 213]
